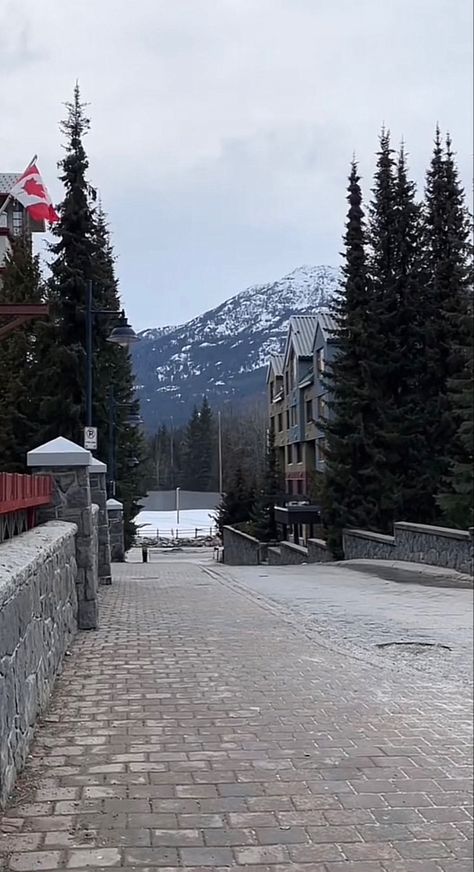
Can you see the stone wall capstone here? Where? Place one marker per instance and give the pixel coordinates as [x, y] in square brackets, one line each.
[416, 543]
[240, 549]
[38, 618]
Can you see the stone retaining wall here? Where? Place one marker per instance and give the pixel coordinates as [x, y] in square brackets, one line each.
[318, 551]
[38, 618]
[417, 543]
[240, 549]
[292, 555]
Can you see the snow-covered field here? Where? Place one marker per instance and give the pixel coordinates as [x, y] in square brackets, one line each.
[164, 524]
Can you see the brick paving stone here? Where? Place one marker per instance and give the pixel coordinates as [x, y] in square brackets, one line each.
[198, 729]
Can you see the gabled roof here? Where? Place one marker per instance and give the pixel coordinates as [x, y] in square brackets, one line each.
[327, 324]
[7, 180]
[301, 333]
[275, 365]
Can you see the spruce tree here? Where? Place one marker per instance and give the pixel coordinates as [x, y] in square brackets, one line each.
[383, 352]
[271, 490]
[199, 450]
[237, 503]
[407, 450]
[113, 381]
[448, 266]
[351, 492]
[22, 283]
[61, 382]
[457, 490]
[83, 253]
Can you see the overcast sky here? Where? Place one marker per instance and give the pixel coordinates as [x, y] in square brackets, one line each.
[222, 130]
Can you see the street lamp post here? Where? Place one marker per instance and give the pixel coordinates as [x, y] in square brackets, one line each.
[133, 420]
[123, 334]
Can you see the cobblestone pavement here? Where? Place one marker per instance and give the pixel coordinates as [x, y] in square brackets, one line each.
[199, 729]
[359, 611]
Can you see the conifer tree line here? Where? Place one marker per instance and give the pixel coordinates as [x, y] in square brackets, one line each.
[188, 456]
[400, 429]
[42, 367]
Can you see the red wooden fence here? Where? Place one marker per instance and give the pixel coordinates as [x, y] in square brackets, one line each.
[20, 497]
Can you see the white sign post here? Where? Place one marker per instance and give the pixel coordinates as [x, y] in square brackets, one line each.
[90, 438]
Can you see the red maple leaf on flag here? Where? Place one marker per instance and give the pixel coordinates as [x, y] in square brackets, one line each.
[34, 188]
[31, 192]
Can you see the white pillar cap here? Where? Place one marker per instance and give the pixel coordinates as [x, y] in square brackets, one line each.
[58, 452]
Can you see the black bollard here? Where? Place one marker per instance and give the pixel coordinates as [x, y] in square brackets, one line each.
[144, 553]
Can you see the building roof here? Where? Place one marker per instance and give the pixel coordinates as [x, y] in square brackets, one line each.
[275, 364]
[276, 361]
[301, 333]
[303, 329]
[7, 180]
[327, 324]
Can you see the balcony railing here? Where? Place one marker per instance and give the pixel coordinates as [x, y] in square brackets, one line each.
[20, 497]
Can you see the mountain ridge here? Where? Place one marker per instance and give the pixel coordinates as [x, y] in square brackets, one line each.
[223, 352]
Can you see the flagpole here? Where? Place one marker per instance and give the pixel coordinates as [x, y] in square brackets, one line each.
[7, 200]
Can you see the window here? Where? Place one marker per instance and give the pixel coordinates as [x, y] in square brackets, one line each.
[272, 391]
[299, 487]
[286, 382]
[17, 222]
[289, 454]
[320, 361]
[280, 422]
[289, 487]
[293, 416]
[297, 452]
[287, 419]
[309, 411]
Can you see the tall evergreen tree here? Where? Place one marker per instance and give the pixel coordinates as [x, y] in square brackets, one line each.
[351, 493]
[457, 490]
[199, 450]
[268, 495]
[61, 382]
[22, 283]
[383, 352]
[113, 383]
[83, 253]
[405, 445]
[237, 503]
[448, 267]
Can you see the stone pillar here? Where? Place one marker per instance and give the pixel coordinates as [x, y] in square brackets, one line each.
[68, 464]
[97, 471]
[117, 546]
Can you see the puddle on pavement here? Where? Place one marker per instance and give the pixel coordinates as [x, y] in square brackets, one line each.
[415, 647]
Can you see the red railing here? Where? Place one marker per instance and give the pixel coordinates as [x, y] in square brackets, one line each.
[22, 492]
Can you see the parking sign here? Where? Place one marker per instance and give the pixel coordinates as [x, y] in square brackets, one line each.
[90, 438]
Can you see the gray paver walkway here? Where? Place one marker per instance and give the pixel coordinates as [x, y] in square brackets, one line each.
[198, 729]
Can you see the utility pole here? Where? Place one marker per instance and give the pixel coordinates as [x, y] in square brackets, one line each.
[219, 434]
[177, 506]
[172, 451]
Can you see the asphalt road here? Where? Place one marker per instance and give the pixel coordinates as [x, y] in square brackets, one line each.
[359, 612]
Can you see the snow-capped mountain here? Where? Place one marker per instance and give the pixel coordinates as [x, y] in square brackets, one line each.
[223, 353]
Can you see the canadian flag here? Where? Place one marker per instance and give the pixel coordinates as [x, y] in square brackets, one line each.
[32, 193]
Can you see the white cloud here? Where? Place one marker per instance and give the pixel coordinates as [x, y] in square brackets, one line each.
[222, 129]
